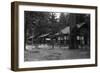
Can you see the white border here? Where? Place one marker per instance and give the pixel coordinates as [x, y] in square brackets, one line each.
[33, 64]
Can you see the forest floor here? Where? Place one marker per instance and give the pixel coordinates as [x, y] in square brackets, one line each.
[54, 53]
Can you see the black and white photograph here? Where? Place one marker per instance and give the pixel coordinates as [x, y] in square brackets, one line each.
[56, 36]
[53, 36]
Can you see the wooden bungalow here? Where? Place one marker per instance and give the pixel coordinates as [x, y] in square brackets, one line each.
[59, 38]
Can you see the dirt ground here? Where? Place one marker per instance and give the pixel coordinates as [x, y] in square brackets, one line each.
[55, 53]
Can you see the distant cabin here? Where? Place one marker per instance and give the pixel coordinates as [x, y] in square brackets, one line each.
[60, 37]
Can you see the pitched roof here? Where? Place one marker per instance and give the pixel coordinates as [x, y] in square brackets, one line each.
[66, 30]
